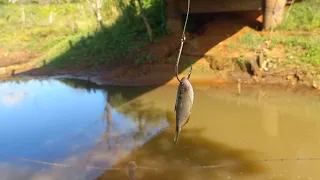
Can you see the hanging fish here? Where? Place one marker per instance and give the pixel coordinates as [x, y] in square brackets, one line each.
[185, 95]
[184, 102]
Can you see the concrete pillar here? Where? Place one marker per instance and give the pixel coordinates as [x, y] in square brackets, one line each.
[173, 17]
[273, 12]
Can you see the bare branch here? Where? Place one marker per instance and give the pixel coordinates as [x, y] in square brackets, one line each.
[145, 20]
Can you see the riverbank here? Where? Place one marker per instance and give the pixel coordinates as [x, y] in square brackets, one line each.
[219, 65]
[223, 48]
[205, 71]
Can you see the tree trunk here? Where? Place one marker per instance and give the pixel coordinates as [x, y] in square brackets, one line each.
[99, 4]
[273, 12]
[98, 12]
[51, 17]
[23, 15]
[145, 20]
[96, 6]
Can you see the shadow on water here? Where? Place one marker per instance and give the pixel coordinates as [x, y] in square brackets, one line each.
[140, 128]
[174, 161]
[154, 147]
[160, 152]
[117, 96]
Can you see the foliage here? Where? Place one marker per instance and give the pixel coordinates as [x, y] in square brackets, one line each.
[304, 15]
[301, 48]
[73, 37]
[250, 40]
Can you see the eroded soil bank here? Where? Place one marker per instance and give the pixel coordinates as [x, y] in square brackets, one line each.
[220, 51]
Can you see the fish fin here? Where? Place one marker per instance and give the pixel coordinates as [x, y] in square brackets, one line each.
[186, 121]
[175, 106]
[190, 107]
[176, 138]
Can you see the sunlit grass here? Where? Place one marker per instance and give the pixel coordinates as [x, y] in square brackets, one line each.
[303, 15]
[73, 38]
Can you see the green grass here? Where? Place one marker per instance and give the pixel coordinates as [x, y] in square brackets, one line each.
[301, 49]
[232, 45]
[250, 40]
[36, 34]
[62, 44]
[304, 15]
[299, 34]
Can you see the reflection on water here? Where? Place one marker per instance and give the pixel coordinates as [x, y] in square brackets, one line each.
[52, 120]
[78, 123]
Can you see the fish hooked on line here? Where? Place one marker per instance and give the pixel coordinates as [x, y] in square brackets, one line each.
[184, 103]
[185, 94]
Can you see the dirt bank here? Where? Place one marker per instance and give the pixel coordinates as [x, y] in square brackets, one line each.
[208, 48]
[163, 74]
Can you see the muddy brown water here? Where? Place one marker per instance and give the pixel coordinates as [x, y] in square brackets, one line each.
[73, 122]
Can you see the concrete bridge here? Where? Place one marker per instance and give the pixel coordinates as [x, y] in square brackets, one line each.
[272, 10]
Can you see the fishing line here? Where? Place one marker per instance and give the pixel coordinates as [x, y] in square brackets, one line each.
[183, 39]
[61, 165]
[56, 164]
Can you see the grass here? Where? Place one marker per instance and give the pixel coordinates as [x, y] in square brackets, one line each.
[73, 39]
[251, 40]
[36, 30]
[301, 49]
[298, 34]
[304, 15]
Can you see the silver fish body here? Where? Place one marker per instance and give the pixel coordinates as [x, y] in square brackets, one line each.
[183, 106]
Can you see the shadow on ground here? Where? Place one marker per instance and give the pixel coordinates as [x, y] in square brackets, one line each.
[209, 29]
[126, 43]
[91, 54]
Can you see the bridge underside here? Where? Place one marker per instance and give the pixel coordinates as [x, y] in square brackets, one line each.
[272, 10]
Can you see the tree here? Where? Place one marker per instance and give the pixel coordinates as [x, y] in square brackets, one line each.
[145, 21]
[97, 5]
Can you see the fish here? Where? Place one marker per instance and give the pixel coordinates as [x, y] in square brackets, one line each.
[183, 105]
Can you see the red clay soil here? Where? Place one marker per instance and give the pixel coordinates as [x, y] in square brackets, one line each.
[210, 40]
[157, 74]
[203, 47]
[14, 58]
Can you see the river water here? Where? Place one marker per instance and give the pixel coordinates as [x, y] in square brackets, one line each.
[86, 129]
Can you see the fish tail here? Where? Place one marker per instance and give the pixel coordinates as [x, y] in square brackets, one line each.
[176, 138]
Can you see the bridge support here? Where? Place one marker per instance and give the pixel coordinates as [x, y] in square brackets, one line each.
[273, 12]
[174, 17]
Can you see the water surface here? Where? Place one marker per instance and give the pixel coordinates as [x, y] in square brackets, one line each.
[77, 123]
